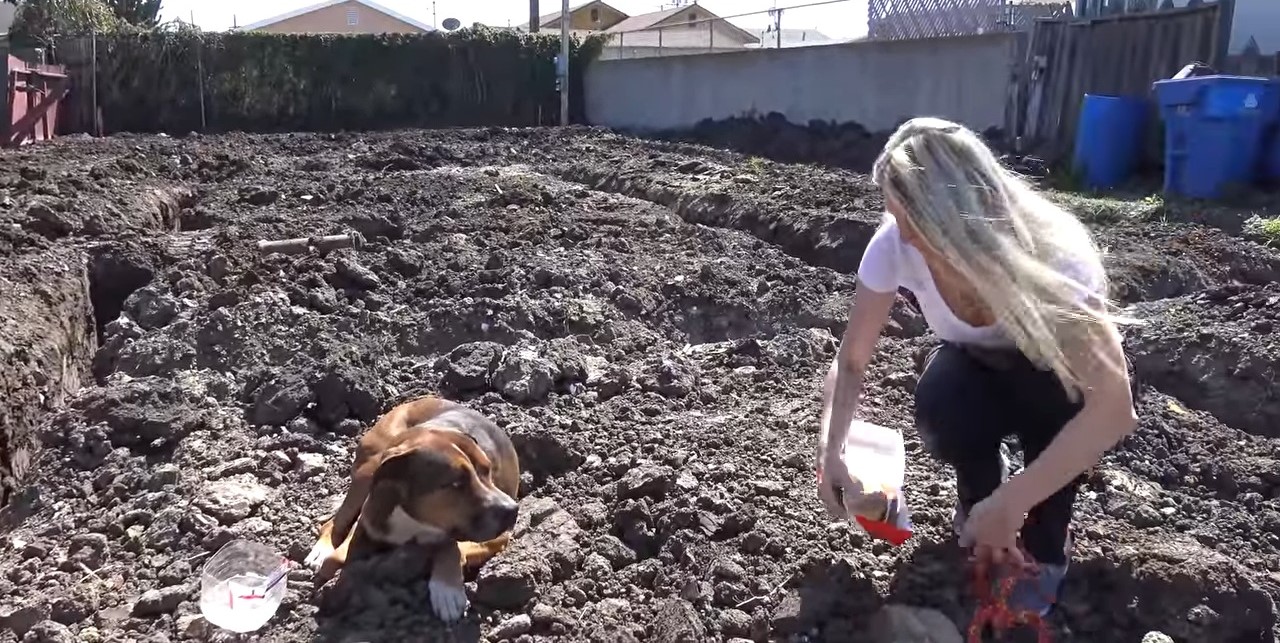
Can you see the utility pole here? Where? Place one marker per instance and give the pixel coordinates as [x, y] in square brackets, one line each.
[777, 26]
[533, 16]
[564, 63]
[776, 14]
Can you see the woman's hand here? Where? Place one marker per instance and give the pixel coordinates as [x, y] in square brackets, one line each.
[843, 385]
[992, 530]
[832, 473]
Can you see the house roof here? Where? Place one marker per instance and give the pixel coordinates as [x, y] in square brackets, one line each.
[548, 18]
[329, 3]
[649, 21]
[644, 21]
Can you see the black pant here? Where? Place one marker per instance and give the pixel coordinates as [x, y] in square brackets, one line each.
[967, 401]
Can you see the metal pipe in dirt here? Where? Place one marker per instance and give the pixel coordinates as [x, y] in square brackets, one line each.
[308, 244]
[564, 62]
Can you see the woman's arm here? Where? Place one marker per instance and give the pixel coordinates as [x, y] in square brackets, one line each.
[1106, 418]
[868, 315]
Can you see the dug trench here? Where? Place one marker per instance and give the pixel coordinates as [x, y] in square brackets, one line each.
[56, 299]
[655, 353]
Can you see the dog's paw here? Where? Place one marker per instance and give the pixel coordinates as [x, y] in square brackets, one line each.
[320, 552]
[448, 600]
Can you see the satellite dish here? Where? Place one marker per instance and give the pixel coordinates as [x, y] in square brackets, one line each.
[450, 24]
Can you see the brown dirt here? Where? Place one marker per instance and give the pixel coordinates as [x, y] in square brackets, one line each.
[650, 322]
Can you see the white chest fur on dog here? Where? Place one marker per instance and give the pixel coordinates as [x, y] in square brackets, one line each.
[403, 529]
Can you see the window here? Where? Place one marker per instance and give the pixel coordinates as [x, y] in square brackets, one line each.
[693, 18]
[595, 15]
[353, 18]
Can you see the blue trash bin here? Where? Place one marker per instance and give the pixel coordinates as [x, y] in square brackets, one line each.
[1109, 139]
[1214, 128]
[1269, 170]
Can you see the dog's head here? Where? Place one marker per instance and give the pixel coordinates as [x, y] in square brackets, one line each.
[444, 480]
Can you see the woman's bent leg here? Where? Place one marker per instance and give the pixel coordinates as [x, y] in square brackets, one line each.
[961, 416]
[1047, 409]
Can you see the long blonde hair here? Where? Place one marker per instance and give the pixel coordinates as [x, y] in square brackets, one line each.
[1006, 240]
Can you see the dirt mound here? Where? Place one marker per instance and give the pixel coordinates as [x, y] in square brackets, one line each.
[845, 145]
[650, 322]
[1217, 351]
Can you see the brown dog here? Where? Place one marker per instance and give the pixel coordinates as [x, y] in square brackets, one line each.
[431, 472]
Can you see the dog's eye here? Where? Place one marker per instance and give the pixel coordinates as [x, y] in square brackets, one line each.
[460, 484]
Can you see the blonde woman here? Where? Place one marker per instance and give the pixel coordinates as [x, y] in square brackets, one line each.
[1014, 288]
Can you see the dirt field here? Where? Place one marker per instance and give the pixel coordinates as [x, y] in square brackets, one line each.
[649, 321]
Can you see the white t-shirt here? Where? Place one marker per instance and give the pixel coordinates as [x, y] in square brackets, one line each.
[889, 263]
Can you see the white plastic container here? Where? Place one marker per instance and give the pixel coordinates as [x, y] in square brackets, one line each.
[877, 461]
[242, 586]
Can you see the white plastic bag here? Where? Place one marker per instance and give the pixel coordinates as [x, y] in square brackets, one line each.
[877, 460]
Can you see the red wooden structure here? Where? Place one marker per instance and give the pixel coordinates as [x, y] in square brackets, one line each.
[34, 94]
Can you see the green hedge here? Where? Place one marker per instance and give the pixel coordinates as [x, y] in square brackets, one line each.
[148, 82]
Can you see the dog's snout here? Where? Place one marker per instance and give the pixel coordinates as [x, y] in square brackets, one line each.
[504, 514]
[497, 515]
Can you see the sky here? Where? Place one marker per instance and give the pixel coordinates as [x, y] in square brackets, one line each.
[844, 19]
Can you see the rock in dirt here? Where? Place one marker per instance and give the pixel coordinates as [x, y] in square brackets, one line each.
[677, 621]
[45, 217]
[908, 624]
[151, 307]
[87, 549]
[21, 618]
[310, 464]
[646, 480]
[351, 274]
[468, 367]
[194, 626]
[789, 616]
[160, 601]
[231, 500]
[544, 549]
[512, 627]
[546, 453]
[1156, 637]
[280, 400]
[344, 391]
[257, 195]
[525, 376]
[49, 632]
[672, 378]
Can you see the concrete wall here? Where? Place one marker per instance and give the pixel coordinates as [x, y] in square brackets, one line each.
[333, 19]
[874, 83]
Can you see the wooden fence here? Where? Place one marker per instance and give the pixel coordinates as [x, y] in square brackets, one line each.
[1116, 55]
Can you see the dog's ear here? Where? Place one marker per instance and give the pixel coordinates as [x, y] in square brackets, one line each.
[394, 466]
[414, 470]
